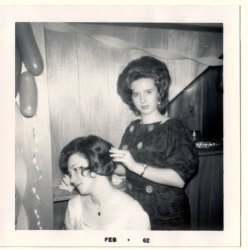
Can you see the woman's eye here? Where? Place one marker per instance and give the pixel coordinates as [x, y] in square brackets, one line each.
[135, 94]
[77, 170]
[149, 91]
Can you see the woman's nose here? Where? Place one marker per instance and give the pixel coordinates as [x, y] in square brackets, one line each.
[72, 179]
[142, 98]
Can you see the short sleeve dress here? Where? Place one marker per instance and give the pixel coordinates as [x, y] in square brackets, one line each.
[162, 145]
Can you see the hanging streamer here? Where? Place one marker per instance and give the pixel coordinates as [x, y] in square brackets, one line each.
[29, 50]
[21, 219]
[28, 94]
[18, 68]
[121, 44]
[37, 169]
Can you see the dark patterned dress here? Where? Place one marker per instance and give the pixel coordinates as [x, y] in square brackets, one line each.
[163, 145]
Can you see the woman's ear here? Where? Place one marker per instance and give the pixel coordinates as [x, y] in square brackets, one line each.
[159, 99]
[110, 167]
[93, 174]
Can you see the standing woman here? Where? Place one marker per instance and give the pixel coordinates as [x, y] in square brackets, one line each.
[157, 153]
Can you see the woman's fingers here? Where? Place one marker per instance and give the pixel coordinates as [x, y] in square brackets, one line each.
[123, 156]
[115, 150]
[118, 160]
[116, 153]
[66, 184]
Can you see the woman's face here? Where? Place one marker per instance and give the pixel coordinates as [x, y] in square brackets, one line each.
[145, 95]
[82, 180]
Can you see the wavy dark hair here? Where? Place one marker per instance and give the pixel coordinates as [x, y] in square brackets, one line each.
[95, 149]
[145, 67]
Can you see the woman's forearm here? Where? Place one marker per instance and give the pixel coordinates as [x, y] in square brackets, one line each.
[162, 176]
[159, 175]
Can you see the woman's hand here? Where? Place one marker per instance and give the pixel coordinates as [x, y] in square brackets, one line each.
[66, 184]
[123, 156]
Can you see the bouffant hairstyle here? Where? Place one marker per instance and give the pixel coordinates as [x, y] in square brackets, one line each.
[95, 149]
[145, 67]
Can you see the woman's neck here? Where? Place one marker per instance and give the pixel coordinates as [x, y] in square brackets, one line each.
[151, 118]
[99, 202]
[102, 192]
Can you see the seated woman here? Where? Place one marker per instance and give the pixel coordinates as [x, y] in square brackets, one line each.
[99, 205]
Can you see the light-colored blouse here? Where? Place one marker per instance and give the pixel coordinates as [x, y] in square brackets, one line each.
[132, 216]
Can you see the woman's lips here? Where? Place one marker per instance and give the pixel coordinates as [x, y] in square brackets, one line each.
[145, 107]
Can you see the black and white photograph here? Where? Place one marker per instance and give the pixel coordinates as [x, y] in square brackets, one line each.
[122, 126]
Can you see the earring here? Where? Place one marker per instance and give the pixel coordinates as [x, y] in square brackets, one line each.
[92, 174]
[159, 102]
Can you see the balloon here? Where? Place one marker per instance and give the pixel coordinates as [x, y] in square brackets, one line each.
[18, 69]
[29, 50]
[28, 94]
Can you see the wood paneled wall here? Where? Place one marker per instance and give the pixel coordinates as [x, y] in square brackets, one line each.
[77, 91]
[200, 105]
[82, 75]
[205, 192]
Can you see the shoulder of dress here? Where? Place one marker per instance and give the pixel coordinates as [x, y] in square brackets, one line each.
[124, 200]
[175, 127]
[128, 200]
[134, 209]
[134, 122]
[173, 123]
[75, 199]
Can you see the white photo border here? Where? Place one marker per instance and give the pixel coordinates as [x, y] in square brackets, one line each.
[230, 17]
